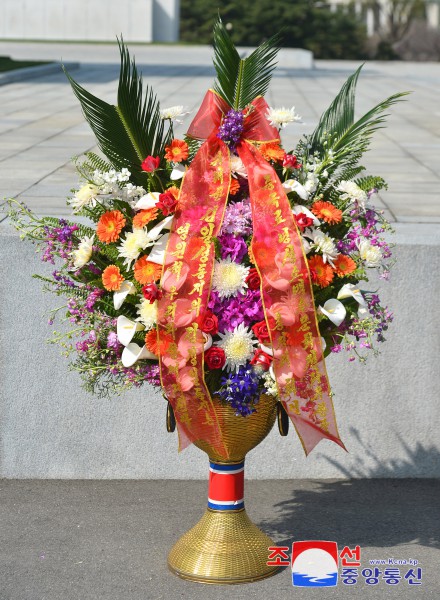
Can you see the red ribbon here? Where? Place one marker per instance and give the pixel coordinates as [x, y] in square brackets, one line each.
[286, 288]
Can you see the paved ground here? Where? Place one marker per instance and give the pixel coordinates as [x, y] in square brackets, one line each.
[41, 126]
[108, 540]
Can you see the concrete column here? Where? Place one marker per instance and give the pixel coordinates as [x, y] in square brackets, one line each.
[166, 18]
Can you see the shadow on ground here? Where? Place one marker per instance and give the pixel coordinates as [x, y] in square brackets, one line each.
[380, 511]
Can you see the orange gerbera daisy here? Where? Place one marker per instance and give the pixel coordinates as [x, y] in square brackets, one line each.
[173, 190]
[154, 345]
[112, 278]
[272, 151]
[344, 265]
[176, 151]
[327, 212]
[143, 217]
[110, 226]
[234, 187]
[321, 273]
[146, 271]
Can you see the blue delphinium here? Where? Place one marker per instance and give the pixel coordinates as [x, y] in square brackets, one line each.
[241, 390]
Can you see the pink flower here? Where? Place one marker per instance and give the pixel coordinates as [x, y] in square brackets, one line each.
[170, 279]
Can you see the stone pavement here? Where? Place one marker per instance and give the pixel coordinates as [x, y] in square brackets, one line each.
[108, 540]
[41, 126]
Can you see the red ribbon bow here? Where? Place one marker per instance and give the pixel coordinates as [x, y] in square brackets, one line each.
[286, 289]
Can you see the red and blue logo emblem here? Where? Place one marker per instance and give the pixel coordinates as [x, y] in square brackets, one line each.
[314, 563]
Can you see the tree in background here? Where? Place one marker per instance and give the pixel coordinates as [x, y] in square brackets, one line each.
[306, 24]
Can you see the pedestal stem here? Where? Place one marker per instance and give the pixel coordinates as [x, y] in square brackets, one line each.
[224, 546]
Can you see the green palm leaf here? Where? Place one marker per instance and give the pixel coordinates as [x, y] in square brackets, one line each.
[131, 130]
[340, 141]
[239, 80]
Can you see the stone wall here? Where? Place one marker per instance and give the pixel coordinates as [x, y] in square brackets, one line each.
[388, 410]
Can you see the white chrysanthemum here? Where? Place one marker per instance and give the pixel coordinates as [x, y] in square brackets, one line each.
[85, 196]
[325, 244]
[237, 166]
[147, 313]
[370, 254]
[83, 253]
[280, 117]
[351, 191]
[238, 346]
[173, 112]
[133, 244]
[229, 278]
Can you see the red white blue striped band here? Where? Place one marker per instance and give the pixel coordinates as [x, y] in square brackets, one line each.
[226, 486]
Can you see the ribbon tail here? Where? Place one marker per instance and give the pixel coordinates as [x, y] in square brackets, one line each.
[186, 283]
[287, 296]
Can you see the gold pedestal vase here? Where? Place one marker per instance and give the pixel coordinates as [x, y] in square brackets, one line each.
[225, 547]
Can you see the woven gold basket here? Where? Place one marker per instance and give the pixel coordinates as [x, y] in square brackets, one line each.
[225, 546]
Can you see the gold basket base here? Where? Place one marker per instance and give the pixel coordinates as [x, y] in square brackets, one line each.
[225, 547]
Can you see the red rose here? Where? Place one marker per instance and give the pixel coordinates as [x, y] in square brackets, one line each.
[261, 330]
[150, 164]
[262, 359]
[303, 221]
[167, 203]
[253, 279]
[209, 323]
[151, 292]
[291, 162]
[215, 358]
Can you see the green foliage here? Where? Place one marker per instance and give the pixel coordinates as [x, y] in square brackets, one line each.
[339, 141]
[131, 130]
[239, 80]
[306, 24]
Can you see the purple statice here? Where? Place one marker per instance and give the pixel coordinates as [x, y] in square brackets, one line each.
[243, 308]
[233, 247]
[62, 280]
[112, 341]
[92, 298]
[58, 241]
[153, 375]
[231, 128]
[241, 390]
[238, 218]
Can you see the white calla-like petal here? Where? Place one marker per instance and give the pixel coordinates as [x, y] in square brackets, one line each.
[155, 232]
[291, 185]
[157, 255]
[126, 328]
[208, 342]
[133, 352]
[127, 287]
[266, 349]
[333, 310]
[272, 372]
[323, 344]
[299, 208]
[178, 172]
[349, 289]
[148, 201]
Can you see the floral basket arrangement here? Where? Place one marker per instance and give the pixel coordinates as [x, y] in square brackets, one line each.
[222, 269]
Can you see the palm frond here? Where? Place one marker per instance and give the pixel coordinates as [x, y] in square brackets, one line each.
[340, 114]
[131, 130]
[240, 80]
[339, 141]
